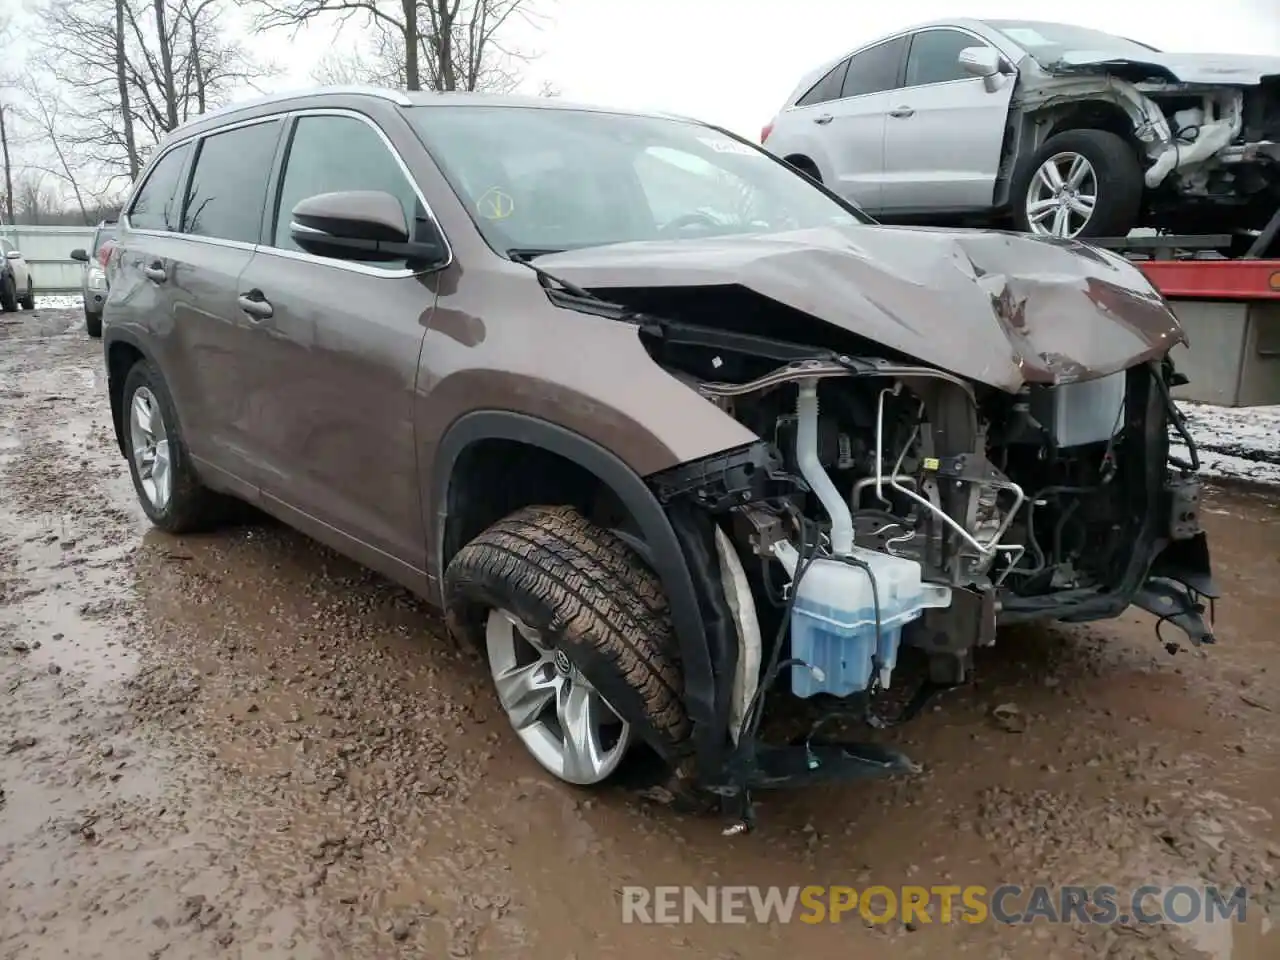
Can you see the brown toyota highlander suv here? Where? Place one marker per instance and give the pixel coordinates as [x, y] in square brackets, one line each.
[665, 427]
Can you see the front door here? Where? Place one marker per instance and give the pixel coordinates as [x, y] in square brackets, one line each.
[945, 130]
[339, 343]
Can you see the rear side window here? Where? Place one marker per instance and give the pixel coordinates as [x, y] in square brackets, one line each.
[156, 207]
[828, 88]
[874, 69]
[229, 184]
[333, 153]
[935, 57]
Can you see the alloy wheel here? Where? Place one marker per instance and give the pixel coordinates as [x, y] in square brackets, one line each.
[1062, 196]
[151, 457]
[562, 719]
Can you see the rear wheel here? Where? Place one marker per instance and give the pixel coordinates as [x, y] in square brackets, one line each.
[1081, 183]
[93, 324]
[578, 638]
[164, 477]
[29, 300]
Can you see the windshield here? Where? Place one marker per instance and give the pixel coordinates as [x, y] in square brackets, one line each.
[1050, 42]
[542, 179]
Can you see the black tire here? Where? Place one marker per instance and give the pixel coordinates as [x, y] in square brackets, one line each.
[29, 301]
[1119, 180]
[191, 505]
[8, 294]
[93, 324]
[590, 596]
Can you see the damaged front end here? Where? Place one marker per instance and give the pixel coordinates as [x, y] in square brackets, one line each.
[892, 504]
[1210, 140]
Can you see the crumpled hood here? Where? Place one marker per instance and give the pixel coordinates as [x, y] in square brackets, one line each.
[1000, 308]
[1212, 68]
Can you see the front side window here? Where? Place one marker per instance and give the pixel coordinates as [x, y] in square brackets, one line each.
[156, 207]
[935, 57]
[828, 88]
[332, 153]
[875, 69]
[538, 179]
[229, 184]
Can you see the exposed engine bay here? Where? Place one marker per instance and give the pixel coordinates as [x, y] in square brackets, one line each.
[896, 505]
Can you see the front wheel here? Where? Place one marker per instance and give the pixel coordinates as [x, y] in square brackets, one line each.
[1079, 184]
[578, 638]
[93, 324]
[8, 294]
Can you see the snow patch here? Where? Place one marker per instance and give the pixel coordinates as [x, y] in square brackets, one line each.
[1236, 442]
[64, 302]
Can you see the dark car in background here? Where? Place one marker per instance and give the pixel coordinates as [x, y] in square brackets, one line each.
[93, 283]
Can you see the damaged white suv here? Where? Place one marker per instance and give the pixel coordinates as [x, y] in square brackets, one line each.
[1063, 130]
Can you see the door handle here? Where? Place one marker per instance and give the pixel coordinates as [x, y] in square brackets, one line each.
[255, 305]
[156, 272]
[825, 118]
[901, 112]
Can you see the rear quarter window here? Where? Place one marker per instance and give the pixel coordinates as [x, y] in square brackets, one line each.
[156, 207]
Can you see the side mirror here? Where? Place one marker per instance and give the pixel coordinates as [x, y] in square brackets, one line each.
[79, 253]
[980, 61]
[359, 225]
[14, 255]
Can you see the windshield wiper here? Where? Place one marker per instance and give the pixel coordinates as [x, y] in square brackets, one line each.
[525, 255]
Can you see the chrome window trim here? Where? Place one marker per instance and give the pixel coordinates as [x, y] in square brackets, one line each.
[299, 255]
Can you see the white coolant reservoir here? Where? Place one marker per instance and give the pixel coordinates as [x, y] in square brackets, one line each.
[833, 619]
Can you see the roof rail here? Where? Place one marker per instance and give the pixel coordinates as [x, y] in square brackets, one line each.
[397, 97]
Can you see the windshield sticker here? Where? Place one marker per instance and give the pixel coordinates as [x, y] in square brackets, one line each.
[725, 145]
[495, 204]
[1026, 36]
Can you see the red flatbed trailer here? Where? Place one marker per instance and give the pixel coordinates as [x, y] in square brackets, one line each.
[1228, 306]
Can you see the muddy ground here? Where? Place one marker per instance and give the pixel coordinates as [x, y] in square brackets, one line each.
[243, 745]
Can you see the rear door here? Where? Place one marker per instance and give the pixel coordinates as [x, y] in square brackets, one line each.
[945, 129]
[221, 223]
[858, 119]
[339, 343]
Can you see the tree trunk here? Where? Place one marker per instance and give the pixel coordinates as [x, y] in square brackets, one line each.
[198, 67]
[170, 89]
[8, 170]
[412, 79]
[122, 85]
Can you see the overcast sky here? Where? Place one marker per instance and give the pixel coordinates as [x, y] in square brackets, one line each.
[733, 62]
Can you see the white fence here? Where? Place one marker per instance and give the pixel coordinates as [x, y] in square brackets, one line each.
[48, 251]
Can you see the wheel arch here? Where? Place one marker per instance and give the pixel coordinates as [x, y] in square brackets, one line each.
[120, 352]
[805, 164]
[1092, 115]
[658, 542]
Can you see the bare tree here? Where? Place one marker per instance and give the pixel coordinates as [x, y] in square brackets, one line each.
[428, 44]
[44, 111]
[129, 71]
[6, 85]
